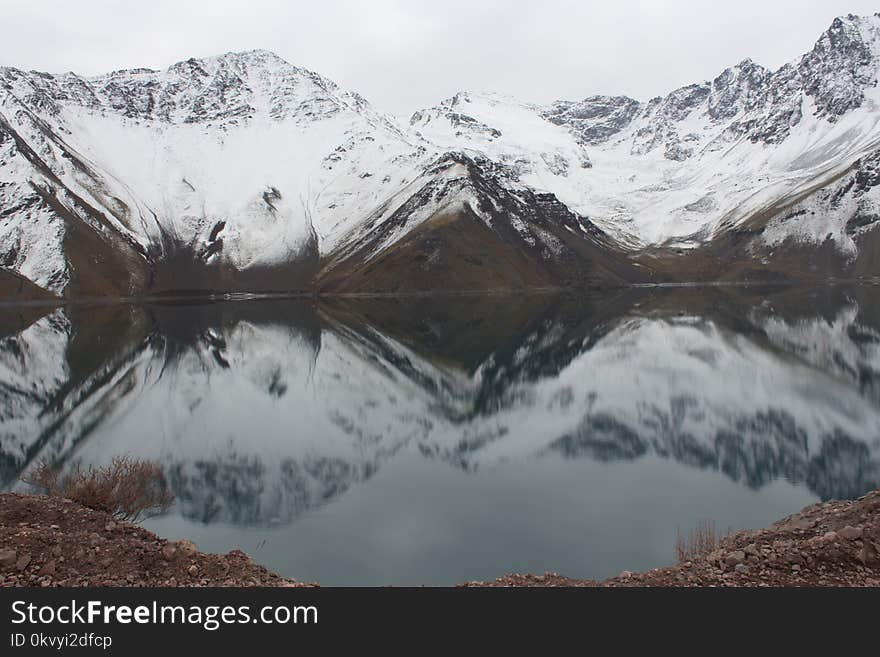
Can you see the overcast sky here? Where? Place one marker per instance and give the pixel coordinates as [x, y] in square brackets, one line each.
[407, 54]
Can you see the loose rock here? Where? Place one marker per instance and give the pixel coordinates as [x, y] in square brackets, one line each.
[8, 557]
[850, 533]
[735, 557]
[90, 548]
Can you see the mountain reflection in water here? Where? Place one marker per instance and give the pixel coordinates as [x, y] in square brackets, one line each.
[437, 439]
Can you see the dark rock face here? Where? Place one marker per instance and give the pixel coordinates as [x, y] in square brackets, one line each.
[681, 102]
[867, 173]
[192, 91]
[762, 105]
[461, 122]
[660, 118]
[838, 69]
[596, 119]
[768, 105]
[736, 90]
[834, 74]
[777, 112]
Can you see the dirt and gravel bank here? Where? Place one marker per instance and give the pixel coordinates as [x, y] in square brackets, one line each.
[50, 541]
[54, 542]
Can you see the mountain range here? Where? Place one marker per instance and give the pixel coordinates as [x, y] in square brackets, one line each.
[242, 172]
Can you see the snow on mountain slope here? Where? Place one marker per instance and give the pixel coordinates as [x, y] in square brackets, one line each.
[680, 168]
[846, 211]
[258, 125]
[467, 223]
[243, 171]
[33, 245]
[55, 224]
[242, 158]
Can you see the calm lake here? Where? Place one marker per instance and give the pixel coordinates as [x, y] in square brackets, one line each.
[432, 440]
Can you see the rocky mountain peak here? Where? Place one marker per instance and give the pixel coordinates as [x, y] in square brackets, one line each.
[457, 112]
[220, 89]
[179, 160]
[841, 65]
[460, 98]
[595, 119]
[737, 89]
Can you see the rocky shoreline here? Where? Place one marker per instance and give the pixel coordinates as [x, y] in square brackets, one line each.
[50, 541]
[55, 542]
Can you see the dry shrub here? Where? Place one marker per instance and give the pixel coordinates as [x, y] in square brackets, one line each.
[127, 489]
[698, 543]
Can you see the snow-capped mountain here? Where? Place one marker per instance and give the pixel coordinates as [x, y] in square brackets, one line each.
[244, 172]
[197, 175]
[707, 157]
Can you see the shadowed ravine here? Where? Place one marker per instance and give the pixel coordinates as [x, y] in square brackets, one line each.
[439, 439]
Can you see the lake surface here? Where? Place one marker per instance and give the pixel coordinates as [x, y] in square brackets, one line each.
[431, 440]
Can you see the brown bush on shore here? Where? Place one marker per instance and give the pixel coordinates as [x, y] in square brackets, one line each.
[698, 543]
[128, 489]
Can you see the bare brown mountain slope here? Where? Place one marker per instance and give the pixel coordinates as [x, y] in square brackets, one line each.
[482, 236]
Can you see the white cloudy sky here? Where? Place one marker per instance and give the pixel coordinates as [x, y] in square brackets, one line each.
[406, 54]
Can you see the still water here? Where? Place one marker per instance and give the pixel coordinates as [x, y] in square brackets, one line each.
[431, 440]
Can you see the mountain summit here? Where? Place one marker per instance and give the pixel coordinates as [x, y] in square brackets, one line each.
[244, 172]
